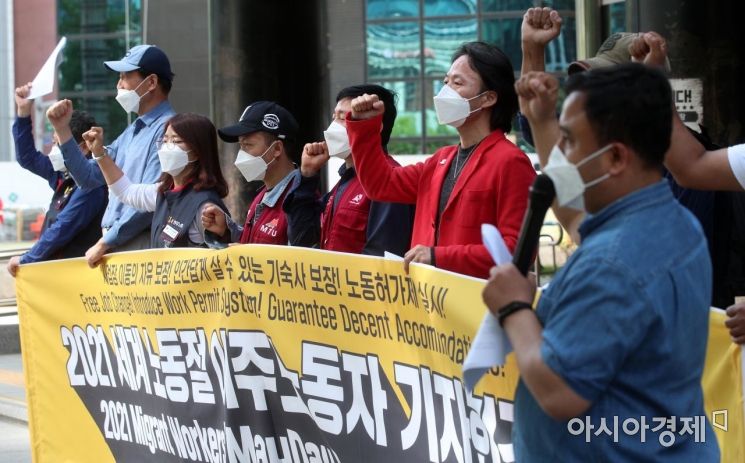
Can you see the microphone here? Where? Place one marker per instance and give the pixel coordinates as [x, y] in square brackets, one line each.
[542, 194]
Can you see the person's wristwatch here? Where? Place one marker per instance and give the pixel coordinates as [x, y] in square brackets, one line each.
[103, 155]
[509, 309]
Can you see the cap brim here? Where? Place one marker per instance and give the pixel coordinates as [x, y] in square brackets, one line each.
[120, 66]
[231, 133]
[577, 66]
[597, 62]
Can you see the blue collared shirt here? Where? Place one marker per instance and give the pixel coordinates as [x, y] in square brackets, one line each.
[136, 153]
[80, 210]
[625, 326]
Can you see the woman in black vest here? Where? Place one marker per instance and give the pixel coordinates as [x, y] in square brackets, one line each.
[190, 181]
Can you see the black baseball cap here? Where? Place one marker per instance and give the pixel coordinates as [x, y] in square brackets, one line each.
[262, 116]
[146, 58]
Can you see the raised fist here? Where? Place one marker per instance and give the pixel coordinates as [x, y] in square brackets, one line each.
[649, 48]
[94, 139]
[540, 26]
[315, 155]
[367, 107]
[538, 94]
[22, 102]
[59, 114]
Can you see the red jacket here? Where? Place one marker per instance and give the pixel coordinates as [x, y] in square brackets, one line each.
[345, 229]
[492, 188]
[271, 226]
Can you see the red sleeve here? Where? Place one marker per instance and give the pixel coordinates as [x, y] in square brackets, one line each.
[381, 180]
[514, 179]
[468, 259]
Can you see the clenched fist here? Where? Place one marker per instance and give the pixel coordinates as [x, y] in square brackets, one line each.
[367, 107]
[22, 102]
[59, 114]
[540, 26]
[213, 219]
[94, 139]
[538, 93]
[315, 155]
[649, 48]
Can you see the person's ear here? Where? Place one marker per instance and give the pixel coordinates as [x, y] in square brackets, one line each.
[620, 158]
[153, 82]
[489, 99]
[278, 148]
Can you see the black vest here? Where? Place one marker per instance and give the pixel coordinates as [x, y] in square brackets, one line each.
[174, 213]
[86, 237]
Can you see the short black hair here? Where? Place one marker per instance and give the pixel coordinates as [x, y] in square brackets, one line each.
[291, 146]
[80, 122]
[388, 97]
[164, 83]
[629, 103]
[497, 74]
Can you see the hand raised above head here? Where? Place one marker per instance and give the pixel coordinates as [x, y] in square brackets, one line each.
[366, 107]
[540, 26]
[649, 48]
[22, 102]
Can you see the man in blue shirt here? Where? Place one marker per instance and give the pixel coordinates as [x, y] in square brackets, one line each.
[71, 225]
[618, 340]
[145, 79]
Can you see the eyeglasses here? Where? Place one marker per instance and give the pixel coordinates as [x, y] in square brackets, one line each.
[170, 141]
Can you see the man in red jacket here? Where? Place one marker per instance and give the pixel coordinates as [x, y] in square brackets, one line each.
[345, 219]
[484, 179]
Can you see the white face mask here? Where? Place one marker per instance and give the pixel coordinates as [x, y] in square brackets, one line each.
[173, 159]
[253, 167]
[58, 162]
[337, 140]
[129, 99]
[570, 187]
[451, 108]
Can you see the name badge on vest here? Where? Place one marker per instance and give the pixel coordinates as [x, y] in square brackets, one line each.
[171, 231]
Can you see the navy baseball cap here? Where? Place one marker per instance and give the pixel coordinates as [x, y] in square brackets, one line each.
[262, 116]
[147, 58]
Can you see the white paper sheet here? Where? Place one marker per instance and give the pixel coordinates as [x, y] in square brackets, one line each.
[43, 83]
[391, 256]
[491, 345]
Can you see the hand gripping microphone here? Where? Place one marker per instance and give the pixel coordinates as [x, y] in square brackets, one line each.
[542, 194]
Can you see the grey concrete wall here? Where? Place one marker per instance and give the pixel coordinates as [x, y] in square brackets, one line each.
[180, 28]
[346, 45]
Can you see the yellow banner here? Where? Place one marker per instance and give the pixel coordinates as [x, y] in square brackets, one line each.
[255, 353]
[723, 389]
[266, 353]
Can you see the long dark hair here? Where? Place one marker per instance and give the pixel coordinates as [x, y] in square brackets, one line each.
[496, 72]
[200, 135]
